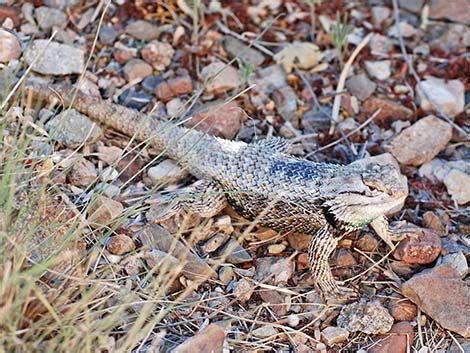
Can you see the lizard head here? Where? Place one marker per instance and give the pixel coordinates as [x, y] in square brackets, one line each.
[362, 192]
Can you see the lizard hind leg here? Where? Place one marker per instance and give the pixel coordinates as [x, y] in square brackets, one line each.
[321, 246]
[203, 198]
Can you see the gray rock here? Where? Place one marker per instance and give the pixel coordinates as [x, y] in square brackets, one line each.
[448, 36]
[236, 48]
[278, 270]
[269, 79]
[333, 335]
[55, 58]
[48, 17]
[406, 30]
[462, 347]
[133, 99]
[243, 290]
[378, 69]
[72, 129]
[380, 45]
[166, 172]
[238, 254]
[411, 5]
[265, 331]
[360, 86]
[379, 15]
[370, 318]
[108, 35]
[219, 77]
[454, 10]
[60, 4]
[448, 96]
[458, 261]
[286, 102]
[10, 48]
[143, 30]
[443, 295]
[136, 68]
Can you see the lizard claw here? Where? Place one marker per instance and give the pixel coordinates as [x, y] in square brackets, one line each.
[332, 290]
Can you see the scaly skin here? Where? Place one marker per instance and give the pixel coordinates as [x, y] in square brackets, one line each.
[264, 183]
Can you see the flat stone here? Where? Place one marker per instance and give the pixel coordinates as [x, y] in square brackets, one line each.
[210, 339]
[380, 45]
[134, 99]
[390, 111]
[49, 17]
[108, 34]
[458, 261]
[219, 78]
[285, 99]
[457, 183]
[243, 290]
[279, 270]
[61, 4]
[236, 48]
[414, 6]
[109, 154]
[299, 241]
[219, 119]
[158, 54]
[447, 96]
[403, 310]
[104, 211]
[450, 36]
[83, 173]
[178, 86]
[443, 295]
[136, 68]
[238, 255]
[166, 172]
[367, 317]
[378, 69]
[55, 58]
[268, 79]
[379, 15]
[399, 340]
[453, 10]
[276, 301]
[422, 141]
[155, 236]
[215, 242]
[120, 244]
[10, 48]
[143, 30]
[265, 331]
[367, 243]
[422, 246]
[158, 259]
[406, 30]
[301, 55]
[360, 86]
[333, 335]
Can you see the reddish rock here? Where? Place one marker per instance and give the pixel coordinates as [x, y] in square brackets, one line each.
[345, 258]
[122, 56]
[422, 141]
[219, 77]
[219, 119]
[298, 241]
[120, 244]
[453, 10]
[104, 210]
[173, 88]
[158, 54]
[276, 301]
[403, 310]
[443, 295]
[367, 243]
[210, 339]
[422, 246]
[136, 68]
[398, 340]
[302, 261]
[390, 111]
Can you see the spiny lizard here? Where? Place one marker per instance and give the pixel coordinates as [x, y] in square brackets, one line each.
[263, 182]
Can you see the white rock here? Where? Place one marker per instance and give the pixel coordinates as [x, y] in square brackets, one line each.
[447, 96]
[265, 331]
[220, 77]
[166, 172]
[379, 69]
[333, 335]
[10, 48]
[458, 186]
[406, 30]
[379, 14]
[458, 261]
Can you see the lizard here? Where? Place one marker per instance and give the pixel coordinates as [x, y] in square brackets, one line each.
[262, 181]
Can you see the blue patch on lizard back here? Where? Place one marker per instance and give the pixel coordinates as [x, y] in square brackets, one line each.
[300, 169]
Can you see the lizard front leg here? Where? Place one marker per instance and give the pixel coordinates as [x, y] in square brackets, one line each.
[320, 248]
[204, 198]
[387, 233]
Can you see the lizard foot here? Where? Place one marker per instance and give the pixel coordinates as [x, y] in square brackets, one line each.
[332, 290]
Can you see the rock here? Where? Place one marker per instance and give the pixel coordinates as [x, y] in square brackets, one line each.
[367, 243]
[443, 295]
[109, 154]
[457, 183]
[333, 335]
[210, 339]
[422, 141]
[108, 35]
[449, 97]
[298, 241]
[458, 261]
[175, 87]
[301, 55]
[134, 99]
[422, 246]
[411, 5]
[238, 255]
[243, 290]
[55, 58]
[226, 274]
[158, 54]
[122, 56]
[9, 12]
[370, 318]
[406, 30]
[380, 45]
[403, 310]
[218, 119]
[378, 69]
[61, 4]
[150, 83]
[236, 48]
[379, 15]
[450, 37]
[390, 111]
[48, 17]
[155, 236]
[453, 10]
[360, 86]
[276, 301]
[399, 340]
[166, 172]
[463, 346]
[282, 269]
[275, 249]
[219, 78]
[83, 173]
[143, 30]
[265, 331]
[215, 242]
[345, 258]
[136, 68]
[157, 259]
[108, 190]
[174, 107]
[10, 48]
[285, 99]
[104, 210]
[268, 79]
[120, 244]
